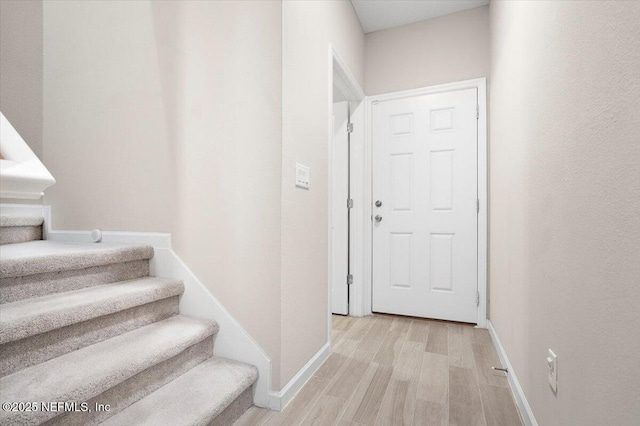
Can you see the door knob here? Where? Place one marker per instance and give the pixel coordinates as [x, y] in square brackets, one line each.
[378, 218]
[378, 203]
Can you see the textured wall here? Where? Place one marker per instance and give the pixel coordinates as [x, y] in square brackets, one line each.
[21, 68]
[565, 203]
[308, 28]
[449, 48]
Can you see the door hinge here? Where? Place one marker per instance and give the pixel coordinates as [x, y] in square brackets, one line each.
[477, 205]
[477, 298]
[349, 279]
[350, 203]
[349, 127]
[477, 112]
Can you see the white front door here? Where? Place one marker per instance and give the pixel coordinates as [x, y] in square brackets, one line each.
[425, 157]
[340, 213]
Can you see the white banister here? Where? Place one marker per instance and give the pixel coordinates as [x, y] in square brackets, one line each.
[22, 174]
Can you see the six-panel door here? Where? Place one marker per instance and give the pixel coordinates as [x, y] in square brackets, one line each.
[425, 176]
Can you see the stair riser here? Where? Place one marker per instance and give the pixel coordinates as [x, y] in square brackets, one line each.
[139, 386]
[19, 288]
[15, 356]
[234, 411]
[19, 234]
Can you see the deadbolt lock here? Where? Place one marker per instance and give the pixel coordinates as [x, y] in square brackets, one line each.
[378, 203]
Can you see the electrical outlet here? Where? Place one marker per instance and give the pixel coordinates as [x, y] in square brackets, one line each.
[552, 363]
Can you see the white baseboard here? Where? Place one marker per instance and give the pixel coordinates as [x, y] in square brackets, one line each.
[280, 399]
[24, 210]
[521, 400]
[158, 240]
[232, 341]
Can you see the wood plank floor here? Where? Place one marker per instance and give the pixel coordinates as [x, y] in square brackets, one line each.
[390, 370]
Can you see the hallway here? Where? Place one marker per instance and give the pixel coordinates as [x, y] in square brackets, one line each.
[388, 370]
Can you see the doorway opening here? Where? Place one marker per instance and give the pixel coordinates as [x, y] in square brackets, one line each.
[342, 202]
[346, 140]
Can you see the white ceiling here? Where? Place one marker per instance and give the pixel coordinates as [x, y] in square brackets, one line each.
[376, 15]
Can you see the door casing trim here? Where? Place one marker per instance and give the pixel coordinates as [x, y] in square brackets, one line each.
[365, 297]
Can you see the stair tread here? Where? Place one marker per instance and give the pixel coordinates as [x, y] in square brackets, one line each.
[194, 398]
[14, 220]
[36, 257]
[37, 315]
[87, 372]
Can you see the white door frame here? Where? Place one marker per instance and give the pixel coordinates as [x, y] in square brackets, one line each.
[340, 76]
[364, 297]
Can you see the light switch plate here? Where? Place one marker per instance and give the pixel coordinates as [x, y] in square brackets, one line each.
[302, 176]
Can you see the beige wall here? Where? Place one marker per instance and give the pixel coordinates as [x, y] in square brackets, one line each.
[450, 48]
[308, 27]
[108, 118]
[153, 121]
[21, 68]
[565, 197]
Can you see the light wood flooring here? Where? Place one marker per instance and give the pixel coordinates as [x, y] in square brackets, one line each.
[389, 370]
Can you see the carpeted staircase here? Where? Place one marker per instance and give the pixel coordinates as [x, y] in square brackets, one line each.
[85, 323]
